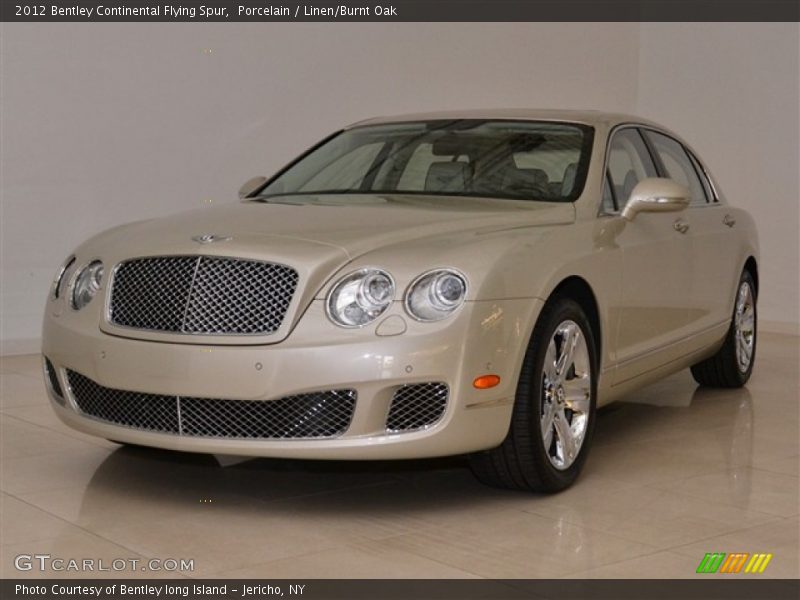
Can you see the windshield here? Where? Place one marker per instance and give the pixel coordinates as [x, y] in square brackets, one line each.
[520, 160]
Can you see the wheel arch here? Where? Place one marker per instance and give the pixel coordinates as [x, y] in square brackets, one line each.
[751, 266]
[578, 289]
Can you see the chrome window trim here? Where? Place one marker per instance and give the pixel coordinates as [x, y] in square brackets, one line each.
[703, 174]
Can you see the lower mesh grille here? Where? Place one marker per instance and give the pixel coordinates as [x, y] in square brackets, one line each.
[132, 409]
[316, 415]
[52, 378]
[417, 406]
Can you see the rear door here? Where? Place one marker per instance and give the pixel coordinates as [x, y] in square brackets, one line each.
[655, 294]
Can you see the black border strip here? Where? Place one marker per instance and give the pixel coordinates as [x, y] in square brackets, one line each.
[731, 587]
[407, 10]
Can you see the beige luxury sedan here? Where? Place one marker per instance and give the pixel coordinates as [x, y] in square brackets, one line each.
[469, 282]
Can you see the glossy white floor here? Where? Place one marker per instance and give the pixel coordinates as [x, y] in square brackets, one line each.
[674, 473]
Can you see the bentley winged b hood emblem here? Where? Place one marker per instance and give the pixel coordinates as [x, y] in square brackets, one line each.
[210, 238]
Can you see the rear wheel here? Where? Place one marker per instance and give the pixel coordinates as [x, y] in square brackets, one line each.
[554, 409]
[732, 365]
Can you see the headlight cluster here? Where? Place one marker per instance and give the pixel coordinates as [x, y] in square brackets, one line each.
[87, 284]
[361, 297]
[61, 276]
[435, 295]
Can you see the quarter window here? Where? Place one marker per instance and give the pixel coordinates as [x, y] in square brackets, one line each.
[628, 163]
[678, 165]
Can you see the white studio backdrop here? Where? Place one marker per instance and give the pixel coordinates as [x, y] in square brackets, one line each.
[731, 89]
[103, 124]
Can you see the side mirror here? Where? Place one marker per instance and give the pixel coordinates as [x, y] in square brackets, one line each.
[655, 194]
[251, 185]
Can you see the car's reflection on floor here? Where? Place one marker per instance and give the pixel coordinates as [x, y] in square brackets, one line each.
[722, 424]
[704, 427]
[674, 468]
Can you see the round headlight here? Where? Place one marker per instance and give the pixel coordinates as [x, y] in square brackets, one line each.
[58, 280]
[436, 295]
[359, 298]
[87, 284]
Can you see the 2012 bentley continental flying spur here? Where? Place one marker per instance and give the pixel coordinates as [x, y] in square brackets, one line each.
[474, 282]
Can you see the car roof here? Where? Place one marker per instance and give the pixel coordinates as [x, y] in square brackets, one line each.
[587, 117]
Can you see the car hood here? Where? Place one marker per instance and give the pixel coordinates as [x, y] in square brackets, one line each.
[352, 224]
[316, 235]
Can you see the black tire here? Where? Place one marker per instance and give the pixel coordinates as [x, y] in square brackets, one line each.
[722, 370]
[521, 462]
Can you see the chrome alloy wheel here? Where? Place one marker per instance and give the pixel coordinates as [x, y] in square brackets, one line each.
[566, 394]
[744, 326]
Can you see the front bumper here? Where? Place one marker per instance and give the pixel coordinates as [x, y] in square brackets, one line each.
[484, 337]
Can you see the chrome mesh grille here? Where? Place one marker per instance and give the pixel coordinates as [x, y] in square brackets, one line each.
[206, 295]
[315, 415]
[151, 293]
[416, 406]
[150, 412]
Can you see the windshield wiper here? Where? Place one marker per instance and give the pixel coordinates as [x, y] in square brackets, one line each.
[267, 197]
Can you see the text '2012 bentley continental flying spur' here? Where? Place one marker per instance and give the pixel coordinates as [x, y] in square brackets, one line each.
[473, 282]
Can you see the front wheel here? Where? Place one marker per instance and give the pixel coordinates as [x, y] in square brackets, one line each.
[732, 365]
[554, 409]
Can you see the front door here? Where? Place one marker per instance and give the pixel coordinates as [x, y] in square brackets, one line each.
[710, 228]
[655, 290]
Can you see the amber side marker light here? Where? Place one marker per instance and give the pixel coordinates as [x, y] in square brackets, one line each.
[484, 382]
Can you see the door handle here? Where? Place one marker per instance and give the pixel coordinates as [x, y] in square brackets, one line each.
[729, 221]
[680, 226]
